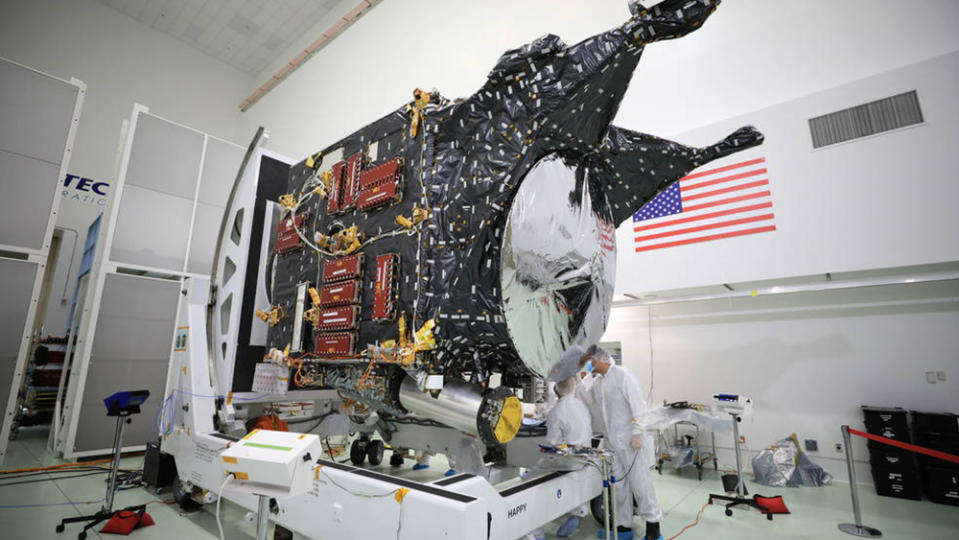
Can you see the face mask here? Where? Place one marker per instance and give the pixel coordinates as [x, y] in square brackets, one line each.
[588, 366]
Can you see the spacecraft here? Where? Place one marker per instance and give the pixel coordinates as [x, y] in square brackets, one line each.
[451, 252]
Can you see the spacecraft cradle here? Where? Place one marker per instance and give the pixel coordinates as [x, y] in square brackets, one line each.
[480, 237]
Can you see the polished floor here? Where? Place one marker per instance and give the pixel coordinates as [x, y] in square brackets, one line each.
[32, 510]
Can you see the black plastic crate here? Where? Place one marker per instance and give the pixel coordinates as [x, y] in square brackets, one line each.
[892, 423]
[942, 485]
[894, 483]
[889, 457]
[945, 423]
[900, 490]
[942, 442]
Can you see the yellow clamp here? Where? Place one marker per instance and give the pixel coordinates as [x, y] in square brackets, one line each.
[416, 217]
[288, 200]
[424, 336]
[312, 316]
[349, 240]
[314, 160]
[326, 179]
[271, 316]
[401, 326]
[400, 493]
[315, 296]
[421, 99]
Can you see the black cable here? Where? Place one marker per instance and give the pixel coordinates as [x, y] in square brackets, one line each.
[320, 421]
[129, 480]
[50, 479]
[16, 476]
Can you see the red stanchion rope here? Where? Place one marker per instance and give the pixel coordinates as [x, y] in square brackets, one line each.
[906, 446]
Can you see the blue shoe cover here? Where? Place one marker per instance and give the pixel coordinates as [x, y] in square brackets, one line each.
[420, 466]
[568, 527]
[450, 472]
[620, 535]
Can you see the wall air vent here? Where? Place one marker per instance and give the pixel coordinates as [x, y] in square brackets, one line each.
[867, 119]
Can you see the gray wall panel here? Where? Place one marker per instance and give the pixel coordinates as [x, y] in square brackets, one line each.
[16, 286]
[206, 225]
[26, 186]
[220, 165]
[131, 350]
[165, 157]
[35, 113]
[152, 229]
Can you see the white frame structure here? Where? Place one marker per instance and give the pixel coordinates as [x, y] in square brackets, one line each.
[38, 256]
[88, 310]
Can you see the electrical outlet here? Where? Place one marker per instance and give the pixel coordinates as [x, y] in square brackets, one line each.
[941, 375]
[812, 445]
[838, 448]
[931, 377]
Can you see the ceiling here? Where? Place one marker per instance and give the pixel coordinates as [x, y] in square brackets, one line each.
[247, 34]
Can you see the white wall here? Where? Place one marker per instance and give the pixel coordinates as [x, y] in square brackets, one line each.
[808, 361]
[122, 61]
[877, 202]
[749, 55]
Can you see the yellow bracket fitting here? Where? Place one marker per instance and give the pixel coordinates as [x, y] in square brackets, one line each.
[272, 316]
[419, 214]
[401, 327]
[424, 336]
[402, 221]
[288, 200]
[314, 295]
[400, 493]
[354, 246]
[420, 100]
[314, 160]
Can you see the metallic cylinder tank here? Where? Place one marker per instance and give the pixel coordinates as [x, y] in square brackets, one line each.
[558, 264]
[495, 415]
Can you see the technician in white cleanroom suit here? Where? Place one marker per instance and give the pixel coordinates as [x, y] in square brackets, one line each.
[617, 397]
[568, 423]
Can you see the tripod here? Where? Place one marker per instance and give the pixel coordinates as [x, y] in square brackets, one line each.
[740, 498]
[122, 405]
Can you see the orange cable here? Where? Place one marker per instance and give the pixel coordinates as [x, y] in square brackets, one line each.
[699, 515]
[60, 466]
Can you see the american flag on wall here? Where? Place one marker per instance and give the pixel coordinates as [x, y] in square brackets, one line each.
[723, 202]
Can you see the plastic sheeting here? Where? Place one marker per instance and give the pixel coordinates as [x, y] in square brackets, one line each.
[785, 465]
[683, 456]
[661, 418]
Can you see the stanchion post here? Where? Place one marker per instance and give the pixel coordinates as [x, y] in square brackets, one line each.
[613, 502]
[606, 508]
[857, 528]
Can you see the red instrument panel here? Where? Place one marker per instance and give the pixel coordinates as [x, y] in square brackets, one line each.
[386, 172]
[384, 292]
[286, 237]
[343, 268]
[335, 192]
[340, 294]
[336, 344]
[379, 195]
[339, 318]
[351, 182]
